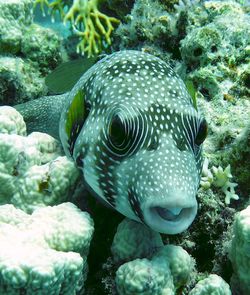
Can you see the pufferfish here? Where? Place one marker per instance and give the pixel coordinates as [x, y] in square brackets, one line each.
[131, 126]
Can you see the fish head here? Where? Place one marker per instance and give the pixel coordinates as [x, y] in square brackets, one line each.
[139, 143]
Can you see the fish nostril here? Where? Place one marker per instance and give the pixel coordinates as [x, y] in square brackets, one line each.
[169, 213]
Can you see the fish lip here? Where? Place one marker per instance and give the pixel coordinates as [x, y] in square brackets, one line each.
[155, 221]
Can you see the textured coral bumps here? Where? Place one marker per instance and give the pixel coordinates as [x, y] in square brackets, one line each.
[240, 252]
[157, 269]
[45, 252]
[27, 52]
[33, 172]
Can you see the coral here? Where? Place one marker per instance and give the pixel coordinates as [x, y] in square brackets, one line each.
[181, 264]
[212, 285]
[11, 122]
[41, 45]
[27, 51]
[15, 77]
[44, 252]
[169, 269]
[159, 267]
[239, 252]
[148, 25]
[211, 37]
[215, 50]
[51, 183]
[32, 171]
[221, 178]
[134, 240]
[142, 276]
[237, 154]
[15, 15]
[91, 25]
[201, 45]
[120, 7]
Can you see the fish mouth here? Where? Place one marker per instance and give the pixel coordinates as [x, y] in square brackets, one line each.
[169, 219]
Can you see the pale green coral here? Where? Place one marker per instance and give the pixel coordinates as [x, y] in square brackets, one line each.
[27, 51]
[181, 264]
[134, 240]
[15, 16]
[142, 276]
[212, 285]
[40, 186]
[91, 25]
[41, 253]
[239, 253]
[169, 269]
[20, 80]
[32, 171]
[11, 122]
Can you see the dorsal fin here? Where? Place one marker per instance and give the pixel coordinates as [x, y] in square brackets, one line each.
[65, 76]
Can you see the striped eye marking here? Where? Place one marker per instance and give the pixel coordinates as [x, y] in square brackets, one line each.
[118, 134]
[202, 132]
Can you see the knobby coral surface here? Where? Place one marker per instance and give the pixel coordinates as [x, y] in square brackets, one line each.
[44, 252]
[33, 171]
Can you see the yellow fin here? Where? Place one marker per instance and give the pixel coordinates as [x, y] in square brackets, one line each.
[75, 118]
[192, 91]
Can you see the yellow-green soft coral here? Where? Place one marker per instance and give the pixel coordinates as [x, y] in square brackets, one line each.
[88, 22]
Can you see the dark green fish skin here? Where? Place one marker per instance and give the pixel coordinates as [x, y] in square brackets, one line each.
[139, 143]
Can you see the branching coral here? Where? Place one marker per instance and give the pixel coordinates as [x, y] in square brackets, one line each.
[93, 26]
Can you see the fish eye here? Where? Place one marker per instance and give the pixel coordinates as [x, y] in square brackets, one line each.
[202, 132]
[117, 132]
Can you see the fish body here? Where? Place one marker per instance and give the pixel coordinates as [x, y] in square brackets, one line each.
[130, 125]
[137, 141]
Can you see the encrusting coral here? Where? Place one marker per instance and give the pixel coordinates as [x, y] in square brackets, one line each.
[27, 51]
[91, 25]
[45, 252]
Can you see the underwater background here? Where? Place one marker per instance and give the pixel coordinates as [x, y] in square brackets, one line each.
[55, 237]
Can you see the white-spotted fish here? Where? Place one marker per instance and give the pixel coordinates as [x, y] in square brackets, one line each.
[130, 125]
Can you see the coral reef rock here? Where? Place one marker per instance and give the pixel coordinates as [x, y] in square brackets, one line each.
[27, 52]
